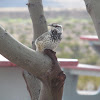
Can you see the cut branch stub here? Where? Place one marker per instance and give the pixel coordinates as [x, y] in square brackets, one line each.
[53, 80]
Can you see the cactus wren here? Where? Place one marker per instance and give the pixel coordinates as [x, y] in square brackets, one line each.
[50, 39]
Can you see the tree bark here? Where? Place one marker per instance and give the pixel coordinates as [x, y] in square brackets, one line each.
[37, 15]
[33, 85]
[34, 62]
[40, 26]
[93, 8]
[52, 81]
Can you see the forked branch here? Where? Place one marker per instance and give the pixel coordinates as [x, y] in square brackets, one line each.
[28, 59]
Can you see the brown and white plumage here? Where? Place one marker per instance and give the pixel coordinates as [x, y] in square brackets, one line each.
[50, 39]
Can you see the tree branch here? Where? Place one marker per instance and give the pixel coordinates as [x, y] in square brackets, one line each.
[93, 8]
[34, 62]
[37, 15]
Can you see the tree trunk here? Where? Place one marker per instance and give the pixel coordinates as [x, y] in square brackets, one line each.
[93, 8]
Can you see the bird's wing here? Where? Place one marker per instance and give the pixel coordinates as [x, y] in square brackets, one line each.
[41, 37]
[39, 41]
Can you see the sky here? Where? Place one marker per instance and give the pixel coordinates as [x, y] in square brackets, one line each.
[46, 3]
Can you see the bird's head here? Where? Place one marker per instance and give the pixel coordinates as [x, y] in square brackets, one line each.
[56, 31]
[56, 26]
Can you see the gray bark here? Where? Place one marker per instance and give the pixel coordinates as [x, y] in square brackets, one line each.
[34, 62]
[33, 85]
[93, 8]
[37, 16]
[40, 26]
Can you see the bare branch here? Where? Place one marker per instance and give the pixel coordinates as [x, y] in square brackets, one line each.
[37, 15]
[34, 62]
[93, 8]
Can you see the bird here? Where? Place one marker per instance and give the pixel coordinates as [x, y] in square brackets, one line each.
[50, 39]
